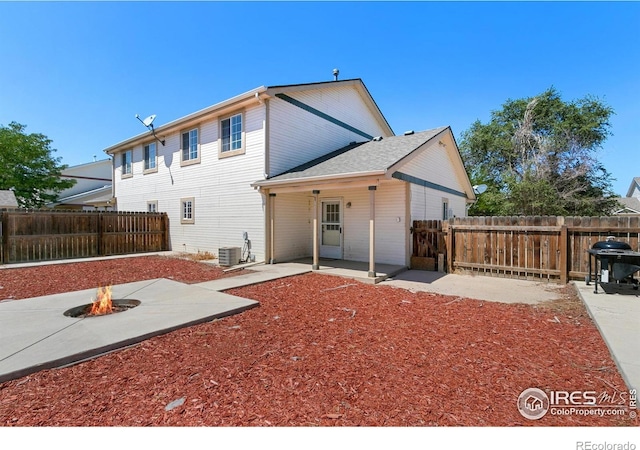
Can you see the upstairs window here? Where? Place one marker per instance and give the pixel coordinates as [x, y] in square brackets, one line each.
[190, 146]
[152, 206]
[231, 135]
[127, 163]
[150, 157]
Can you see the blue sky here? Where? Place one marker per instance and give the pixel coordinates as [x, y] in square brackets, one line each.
[78, 72]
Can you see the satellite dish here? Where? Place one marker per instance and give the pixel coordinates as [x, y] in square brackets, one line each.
[479, 189]
[149, 120]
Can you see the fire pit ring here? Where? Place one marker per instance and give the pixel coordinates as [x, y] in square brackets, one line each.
[83, 311]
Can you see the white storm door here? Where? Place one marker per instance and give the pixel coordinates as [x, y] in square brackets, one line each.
[331, 229]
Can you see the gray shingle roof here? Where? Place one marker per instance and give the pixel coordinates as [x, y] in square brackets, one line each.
[632, 203]
[8, 199]
[370, 156]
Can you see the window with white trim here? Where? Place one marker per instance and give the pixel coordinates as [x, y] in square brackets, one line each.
[231, 135]
[187, 210]
[190, 146]
[152, 206]
[150, 157]
[127, 164]
[445, 209]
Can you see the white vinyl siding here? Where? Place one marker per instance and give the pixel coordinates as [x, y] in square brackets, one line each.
[293, 224]
[435, 166]
[315, 136]
[390, 199]
[225, 203]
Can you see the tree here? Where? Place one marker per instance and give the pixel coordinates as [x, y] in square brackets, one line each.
[538, 156]
[28, 168]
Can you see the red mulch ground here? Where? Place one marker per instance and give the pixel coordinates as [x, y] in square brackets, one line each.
[56, 278]
[320, 351]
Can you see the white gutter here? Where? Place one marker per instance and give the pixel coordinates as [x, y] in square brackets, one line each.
[252, 94]
[290, 181]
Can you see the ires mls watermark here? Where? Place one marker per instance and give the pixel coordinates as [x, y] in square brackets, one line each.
[534, 403]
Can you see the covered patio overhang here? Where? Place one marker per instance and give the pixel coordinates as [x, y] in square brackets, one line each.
[315, 186]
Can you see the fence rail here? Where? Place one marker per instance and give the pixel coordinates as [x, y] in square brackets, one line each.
[29, 236]
[540, 247]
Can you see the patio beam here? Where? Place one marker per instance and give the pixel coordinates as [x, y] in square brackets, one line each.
[316, 250]
[272, 226]
[372, 232]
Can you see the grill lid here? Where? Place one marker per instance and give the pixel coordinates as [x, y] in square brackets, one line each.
[610, 244]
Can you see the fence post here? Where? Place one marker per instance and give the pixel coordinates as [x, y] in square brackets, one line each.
[99, 250]
[450, 236]
[564, 252]
[4, 226]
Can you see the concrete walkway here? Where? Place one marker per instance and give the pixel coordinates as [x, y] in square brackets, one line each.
[617, 317]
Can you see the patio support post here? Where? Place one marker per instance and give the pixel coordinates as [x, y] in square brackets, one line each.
[315, 265]
[272, 226]
[372, 232]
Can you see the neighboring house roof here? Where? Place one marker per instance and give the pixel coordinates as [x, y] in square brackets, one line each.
[8, 199]
[630, 205]
[635, 184]
[102, 194]
[250, 97]
[378, 157]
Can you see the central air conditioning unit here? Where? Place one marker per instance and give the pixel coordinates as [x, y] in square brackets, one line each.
[229, 256]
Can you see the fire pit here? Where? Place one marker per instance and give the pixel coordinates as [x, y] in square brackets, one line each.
[103, 305]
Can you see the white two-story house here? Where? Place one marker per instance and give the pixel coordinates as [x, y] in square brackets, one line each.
[308, 170]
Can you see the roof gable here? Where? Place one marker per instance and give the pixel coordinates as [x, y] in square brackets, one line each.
[635, 185]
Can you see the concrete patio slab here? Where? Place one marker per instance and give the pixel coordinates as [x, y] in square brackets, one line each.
[36, 334]
[356, 270]
[491, 289]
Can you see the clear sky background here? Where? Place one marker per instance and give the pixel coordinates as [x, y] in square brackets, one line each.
[78, 72]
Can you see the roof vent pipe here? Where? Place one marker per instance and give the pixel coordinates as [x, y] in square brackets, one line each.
[407, 133]
[335, 74]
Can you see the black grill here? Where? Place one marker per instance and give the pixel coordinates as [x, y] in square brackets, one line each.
[615, 263]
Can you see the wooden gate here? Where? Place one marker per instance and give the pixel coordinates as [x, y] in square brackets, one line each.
[429, 246]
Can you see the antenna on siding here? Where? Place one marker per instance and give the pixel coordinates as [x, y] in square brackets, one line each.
[148, 122]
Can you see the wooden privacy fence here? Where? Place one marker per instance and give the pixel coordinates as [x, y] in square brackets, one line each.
[29, 236]
[541, 247]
